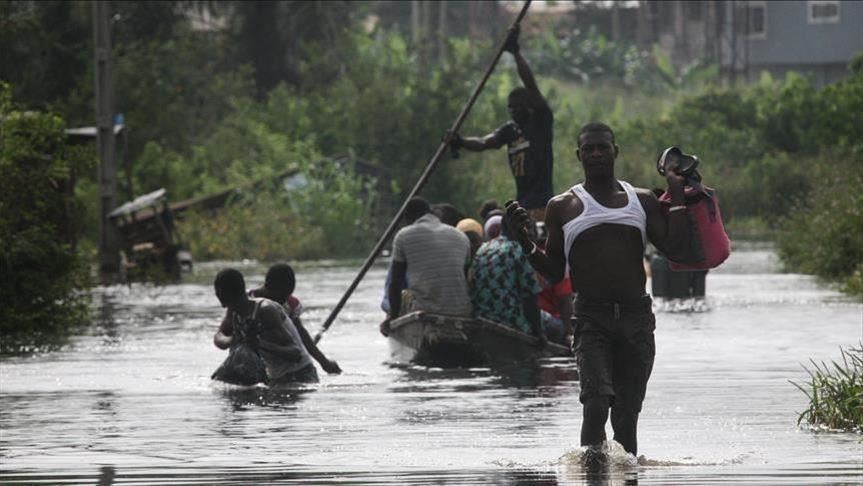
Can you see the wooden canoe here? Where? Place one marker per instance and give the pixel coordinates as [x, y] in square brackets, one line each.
[447, 341]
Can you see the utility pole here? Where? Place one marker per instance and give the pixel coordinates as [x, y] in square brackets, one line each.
[109, 255]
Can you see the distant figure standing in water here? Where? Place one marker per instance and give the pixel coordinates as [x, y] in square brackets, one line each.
[528, 137]
[266, 326]
[599, 229]
[279, 285]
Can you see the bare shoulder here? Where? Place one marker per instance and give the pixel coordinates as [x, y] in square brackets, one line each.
[270, 310]
[643, 191]
[563, 207]
[562, 200]
[644, 194]
[648, 200]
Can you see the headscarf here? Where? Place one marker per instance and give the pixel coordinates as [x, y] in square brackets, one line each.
[493, 227]
[470, 224]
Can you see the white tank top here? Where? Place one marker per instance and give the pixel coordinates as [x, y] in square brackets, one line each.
[595, 214]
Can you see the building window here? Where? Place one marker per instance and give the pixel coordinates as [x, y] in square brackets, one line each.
[823, 11]
[755, 20]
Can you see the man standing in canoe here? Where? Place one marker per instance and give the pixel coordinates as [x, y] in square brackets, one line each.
[599, 229]
[528, 137]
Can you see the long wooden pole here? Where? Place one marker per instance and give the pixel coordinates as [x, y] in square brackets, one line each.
[109, 254]
[420, 183]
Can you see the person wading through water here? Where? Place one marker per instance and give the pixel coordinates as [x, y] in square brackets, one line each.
[279, 285]
[599, 228]
[528, 137]
[265, 325]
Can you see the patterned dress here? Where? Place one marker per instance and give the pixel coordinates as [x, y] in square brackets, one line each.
[501, 277]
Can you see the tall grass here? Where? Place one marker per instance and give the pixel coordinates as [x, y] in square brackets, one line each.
[835, 392]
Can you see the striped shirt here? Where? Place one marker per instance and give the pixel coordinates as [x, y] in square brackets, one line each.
[436, 256]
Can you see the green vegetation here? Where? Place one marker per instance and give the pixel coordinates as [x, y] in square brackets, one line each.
[324, 215]
[786, 158]
[41, 269]
[836, 393]
[279, 88]
[823, 235]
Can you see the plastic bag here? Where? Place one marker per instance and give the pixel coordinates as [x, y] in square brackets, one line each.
[709, 244]
[243, 366]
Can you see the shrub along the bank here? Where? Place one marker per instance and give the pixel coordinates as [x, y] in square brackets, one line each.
[781, 152]
[835, 392]
[823, 235]
[323, 212]
[42, 274]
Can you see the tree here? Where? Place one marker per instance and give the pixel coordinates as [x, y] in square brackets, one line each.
[42, 273]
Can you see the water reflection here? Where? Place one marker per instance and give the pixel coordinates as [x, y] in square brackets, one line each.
[549, 374]
[131, 400]
[105, 409]
[245, 398]
[529, 477]
[604, 465]
[106, 476]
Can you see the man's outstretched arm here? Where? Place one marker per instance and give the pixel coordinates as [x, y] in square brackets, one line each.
[394, 291]
[328, 365]
[476, 144]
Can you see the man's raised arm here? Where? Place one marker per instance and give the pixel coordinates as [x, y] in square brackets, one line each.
[537, 100]
[671, 235]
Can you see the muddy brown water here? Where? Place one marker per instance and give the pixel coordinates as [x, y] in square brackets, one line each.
[130, 401]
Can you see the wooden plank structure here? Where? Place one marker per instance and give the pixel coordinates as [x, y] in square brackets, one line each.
[455, 342]
[148, 233]
[150, 243]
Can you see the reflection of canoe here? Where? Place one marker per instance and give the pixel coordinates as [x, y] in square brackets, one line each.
[448, 341]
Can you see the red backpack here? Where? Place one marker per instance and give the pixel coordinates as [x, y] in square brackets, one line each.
[709, 244]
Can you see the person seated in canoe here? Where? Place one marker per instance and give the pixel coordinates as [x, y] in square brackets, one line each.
[474, 232]
[432, 258]
[279, 285]
[447, 213]
[492, 226]
[263, 325]
[555, 299]
[487, 207]
[503, 285]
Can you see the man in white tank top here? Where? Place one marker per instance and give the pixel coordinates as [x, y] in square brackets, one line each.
[598, 230]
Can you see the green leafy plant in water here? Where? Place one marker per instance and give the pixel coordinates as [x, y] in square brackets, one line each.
[835, 392]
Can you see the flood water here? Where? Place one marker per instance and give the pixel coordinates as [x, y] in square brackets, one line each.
[130, 400]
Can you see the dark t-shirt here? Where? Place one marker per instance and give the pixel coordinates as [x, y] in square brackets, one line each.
[530, 157]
